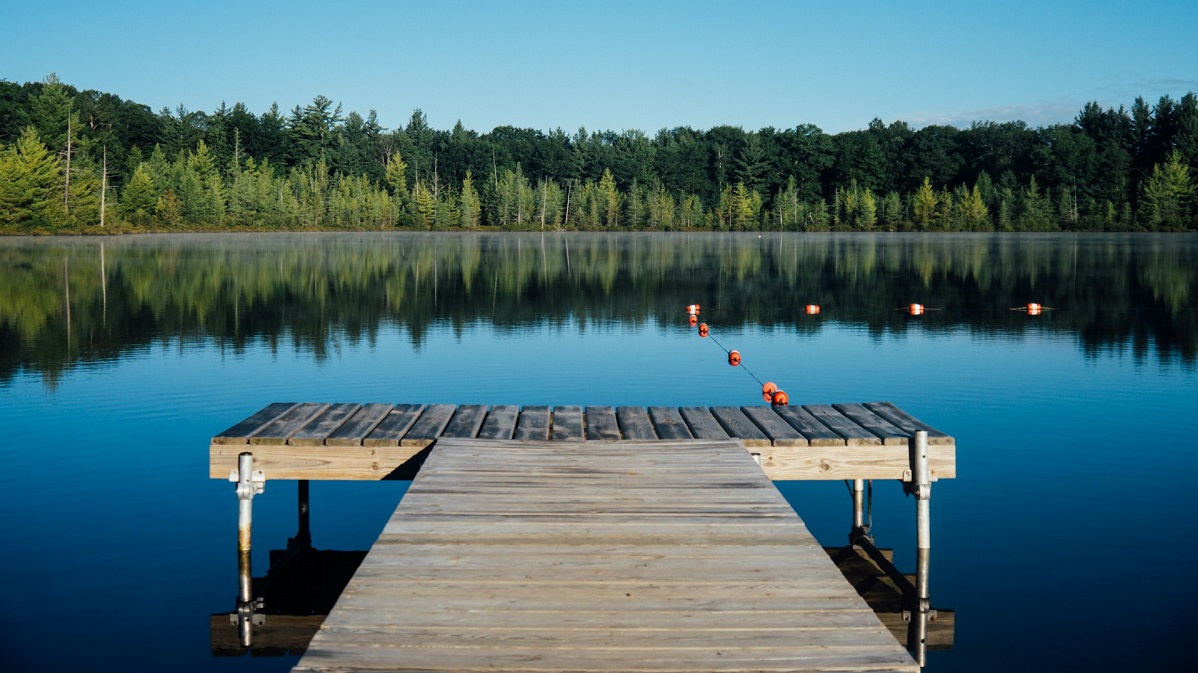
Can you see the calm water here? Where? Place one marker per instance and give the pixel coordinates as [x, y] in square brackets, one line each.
[1065, 543]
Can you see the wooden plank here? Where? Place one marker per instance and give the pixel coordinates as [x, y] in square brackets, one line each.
[323, 425]
[500, 422]
[554, 574]
[466, 421]
[668, 423]
[341, 462]
[241, 433]
[890, 434]
[774, 426]
[634, 423]
[601, 424]
[393, 426]
[908, 423]
[286, 424]
[817, 433]
[567, 424]
[429, 426]
[861, 462]
[702, 423]
[739, 426]
[354, 430]
[533, 423]
[853, 434]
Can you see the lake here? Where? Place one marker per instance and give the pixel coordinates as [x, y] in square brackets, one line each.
[1064, 543]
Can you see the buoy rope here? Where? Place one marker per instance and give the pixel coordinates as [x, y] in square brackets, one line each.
[727, 351]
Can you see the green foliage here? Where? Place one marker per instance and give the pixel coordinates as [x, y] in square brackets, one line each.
[1111, 169]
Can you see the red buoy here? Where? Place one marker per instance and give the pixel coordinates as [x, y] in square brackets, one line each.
[1034, 309]
[915, 309]
[693, 309]
[702, 329]
[734, 358]
[768, 390]
[693, 320]
[780, 399]
[812, 309]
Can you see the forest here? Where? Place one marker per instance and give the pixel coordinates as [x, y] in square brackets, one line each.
[84, 161]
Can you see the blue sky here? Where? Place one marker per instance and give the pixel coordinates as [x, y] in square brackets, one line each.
[618, 65]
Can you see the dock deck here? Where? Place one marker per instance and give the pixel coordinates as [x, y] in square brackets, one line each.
[376, 441]
[538, 555]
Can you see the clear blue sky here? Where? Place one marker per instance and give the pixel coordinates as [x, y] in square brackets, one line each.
[618, 65]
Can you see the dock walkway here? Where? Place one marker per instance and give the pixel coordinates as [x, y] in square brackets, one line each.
[535, 555]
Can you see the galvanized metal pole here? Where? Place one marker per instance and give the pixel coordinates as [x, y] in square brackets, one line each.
[249, 483]
[921, 478]
[858, 532]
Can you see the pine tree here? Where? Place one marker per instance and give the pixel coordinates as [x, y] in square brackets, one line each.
[470, 209]
[30, 180]
[1167, 194]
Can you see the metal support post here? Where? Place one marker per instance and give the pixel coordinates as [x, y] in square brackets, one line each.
[249, 483]
[304, 534]
[921, 488]
[859, 531]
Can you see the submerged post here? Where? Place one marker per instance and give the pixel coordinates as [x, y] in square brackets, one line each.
[249, 483]
[304, 535]
[921, 488]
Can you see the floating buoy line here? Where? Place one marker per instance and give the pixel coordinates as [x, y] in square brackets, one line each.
[769, 390]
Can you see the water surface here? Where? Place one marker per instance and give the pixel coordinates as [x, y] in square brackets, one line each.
[1058, 545]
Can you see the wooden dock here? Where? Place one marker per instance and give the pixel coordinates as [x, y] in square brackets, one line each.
[565, 538]
[377, 441]
[543, 555]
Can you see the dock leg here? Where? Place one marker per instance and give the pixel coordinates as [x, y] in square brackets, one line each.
[249, 484]
[859, 531]
[921, 488]
[304, 535]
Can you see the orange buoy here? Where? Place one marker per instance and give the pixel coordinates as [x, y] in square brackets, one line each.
[693, 309]
[915, 309]
[812, 309]
[734, 358]
[702, 329]
[1034, 309]
[779, 399]
[769, 388]
[693, 320]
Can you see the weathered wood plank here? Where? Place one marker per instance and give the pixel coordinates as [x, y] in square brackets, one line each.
[429, 426]
[890, 434]
[500, 422]
[466, 421]
[853, 434]
[738, 425]
[817, 433]
[668, 423]
[774, 426]
[634, 423]
[702, 423]
[567, 424]
[354, 430]
[393, 426]
[323, 425]
[241, 433]
[286, 424]
[907, 422]
[533, 423]
[601, 424]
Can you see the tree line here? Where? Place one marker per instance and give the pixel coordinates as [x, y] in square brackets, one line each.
[86, 161]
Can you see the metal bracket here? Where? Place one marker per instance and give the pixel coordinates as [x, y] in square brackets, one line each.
[255, 482]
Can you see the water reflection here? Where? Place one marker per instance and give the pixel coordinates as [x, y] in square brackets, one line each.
[66, 302]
